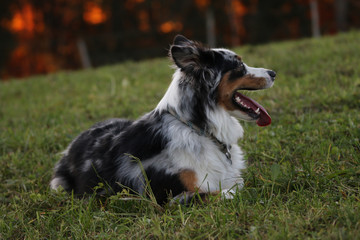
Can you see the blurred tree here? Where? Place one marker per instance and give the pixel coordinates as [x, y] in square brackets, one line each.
[8, 42]
[276, 20]
[341, 14]
[40, 36]
[315, 24]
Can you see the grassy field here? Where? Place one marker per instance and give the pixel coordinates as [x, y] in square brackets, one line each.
[303, 177]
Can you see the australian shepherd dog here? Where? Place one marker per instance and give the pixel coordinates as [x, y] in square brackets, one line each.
[185, 147]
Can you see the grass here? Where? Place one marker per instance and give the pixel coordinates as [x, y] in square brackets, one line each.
[303, 177]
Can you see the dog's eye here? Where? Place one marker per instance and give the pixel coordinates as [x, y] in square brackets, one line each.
[238, 63]
[242, 68]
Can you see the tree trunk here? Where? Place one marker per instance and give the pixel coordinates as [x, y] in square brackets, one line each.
[83, 52]
[341, 15]
[315, 25]
[210, 27]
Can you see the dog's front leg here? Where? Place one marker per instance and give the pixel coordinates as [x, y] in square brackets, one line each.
[188, 198]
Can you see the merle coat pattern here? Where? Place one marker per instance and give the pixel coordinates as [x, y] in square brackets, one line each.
[178, 159]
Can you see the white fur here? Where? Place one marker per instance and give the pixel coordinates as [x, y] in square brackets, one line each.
[224, 50]
[260, 72]
[188, 150]
[57, 182]
[241, 115]
[171, 97]
[228, 193]
[87, 165]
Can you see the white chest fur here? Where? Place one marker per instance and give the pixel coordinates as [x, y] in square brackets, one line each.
[188, 150]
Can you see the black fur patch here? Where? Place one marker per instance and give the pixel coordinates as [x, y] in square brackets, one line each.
[237, 73]
[142, 139]
[163, 184]
[97, 154]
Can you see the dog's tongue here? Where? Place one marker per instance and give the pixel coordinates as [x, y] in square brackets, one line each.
[264, 118]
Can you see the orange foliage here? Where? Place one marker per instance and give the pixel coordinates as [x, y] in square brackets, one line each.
[25, 20]
[94, 14]
[18, 23]
[202, 3]
[144, 25]
[131, 4]
[171, 26]
[23, 62]
[238, 8]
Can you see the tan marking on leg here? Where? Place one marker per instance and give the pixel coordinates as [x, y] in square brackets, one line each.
[189, 180]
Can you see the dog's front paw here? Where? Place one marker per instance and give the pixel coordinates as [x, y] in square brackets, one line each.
[228, 194]
[188, 198]
[182, 199]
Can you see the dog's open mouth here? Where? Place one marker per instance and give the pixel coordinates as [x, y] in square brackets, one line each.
[252, 109]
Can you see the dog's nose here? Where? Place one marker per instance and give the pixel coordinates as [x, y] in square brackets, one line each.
[272, 74]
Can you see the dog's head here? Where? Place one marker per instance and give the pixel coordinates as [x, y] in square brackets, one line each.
[217, 76]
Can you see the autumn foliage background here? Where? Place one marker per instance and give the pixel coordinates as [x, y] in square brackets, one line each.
[303, 171]
[46, 36]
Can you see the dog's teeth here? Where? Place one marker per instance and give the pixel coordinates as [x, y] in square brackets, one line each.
[239, 101]
[257, 110]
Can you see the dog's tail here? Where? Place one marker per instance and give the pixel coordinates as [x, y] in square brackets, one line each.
[62, 177]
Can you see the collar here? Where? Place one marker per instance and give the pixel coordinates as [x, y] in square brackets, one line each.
[225, 148]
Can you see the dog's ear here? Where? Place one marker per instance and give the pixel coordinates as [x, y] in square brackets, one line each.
[189, 55]
[180, 40]
[185, 57]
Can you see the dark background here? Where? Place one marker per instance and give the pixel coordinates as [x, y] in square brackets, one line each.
[42, 36]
